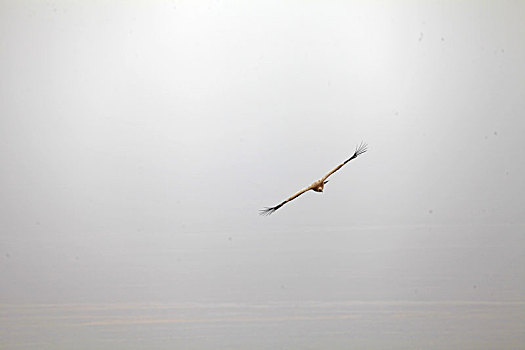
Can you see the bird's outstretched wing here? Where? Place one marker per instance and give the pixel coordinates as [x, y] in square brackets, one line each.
[270, 210]
[358, 150]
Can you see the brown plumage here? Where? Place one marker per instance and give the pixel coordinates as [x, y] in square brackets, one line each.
[318, 185]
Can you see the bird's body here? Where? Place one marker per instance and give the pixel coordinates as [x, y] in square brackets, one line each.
[317, 186]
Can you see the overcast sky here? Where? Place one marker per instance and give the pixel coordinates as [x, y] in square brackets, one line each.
[142, 130]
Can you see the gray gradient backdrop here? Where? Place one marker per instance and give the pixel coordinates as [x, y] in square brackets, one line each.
[139, 139]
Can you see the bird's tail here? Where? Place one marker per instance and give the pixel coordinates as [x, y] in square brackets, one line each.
[324, 183]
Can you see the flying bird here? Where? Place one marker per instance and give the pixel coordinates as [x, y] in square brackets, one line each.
[318, 185]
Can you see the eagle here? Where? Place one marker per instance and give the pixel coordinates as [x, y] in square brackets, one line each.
[318, 185]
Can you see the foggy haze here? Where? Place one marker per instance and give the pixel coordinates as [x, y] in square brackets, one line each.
[140, 139]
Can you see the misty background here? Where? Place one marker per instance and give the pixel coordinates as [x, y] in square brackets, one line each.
[140, 139]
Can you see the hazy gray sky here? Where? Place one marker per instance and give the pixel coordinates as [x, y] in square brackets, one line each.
[137, 137]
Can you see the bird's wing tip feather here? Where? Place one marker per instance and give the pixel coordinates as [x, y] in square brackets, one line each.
[270, 210]
[362, 148]
[267, 211]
